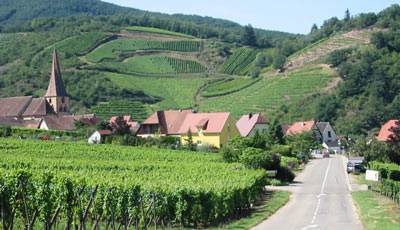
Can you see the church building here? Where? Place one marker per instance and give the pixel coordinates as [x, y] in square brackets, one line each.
[55, 102]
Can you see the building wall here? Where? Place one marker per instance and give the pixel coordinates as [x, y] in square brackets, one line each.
[325, 136]
[44, 126]
[94, 138]
[57, 103]
[228, 132]
[262, 128]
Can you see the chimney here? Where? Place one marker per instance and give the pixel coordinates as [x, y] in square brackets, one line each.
[250, 115]
[303, 124]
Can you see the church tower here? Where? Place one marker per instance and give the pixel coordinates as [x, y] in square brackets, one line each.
[56, 94]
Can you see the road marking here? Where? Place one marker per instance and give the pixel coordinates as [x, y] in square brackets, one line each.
[310, 226]
[326, 175]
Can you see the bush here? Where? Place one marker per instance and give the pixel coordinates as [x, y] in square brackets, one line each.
[283, 150]
[386, 170]
[285, 174]
[255, 158]
[5, 131]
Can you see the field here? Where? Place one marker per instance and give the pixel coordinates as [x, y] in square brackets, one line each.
[157, 31]
[229, 86]
[112, 50]
[177, 93]
[271, 93]
[238, 61]
[154, 64]
[114, 183]
[106, 110]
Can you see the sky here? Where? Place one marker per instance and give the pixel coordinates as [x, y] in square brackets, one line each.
[294, 16]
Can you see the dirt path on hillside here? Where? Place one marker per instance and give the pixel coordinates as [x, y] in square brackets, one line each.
[359, 37]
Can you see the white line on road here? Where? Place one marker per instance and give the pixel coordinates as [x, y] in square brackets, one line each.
[326, 175]
[310, 226]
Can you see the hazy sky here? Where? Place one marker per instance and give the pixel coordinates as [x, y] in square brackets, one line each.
[296, 16]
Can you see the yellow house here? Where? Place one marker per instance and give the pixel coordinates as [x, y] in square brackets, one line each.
[209, 129]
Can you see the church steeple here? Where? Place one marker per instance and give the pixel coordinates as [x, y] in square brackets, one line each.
[56, 85]
[56, 94]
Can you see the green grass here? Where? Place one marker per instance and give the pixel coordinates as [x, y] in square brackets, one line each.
[80, 43]
[120, 47]
[158, 31]
[271, 92]
[376, 212]
[227, 87]
[177, 93]
[154, 64]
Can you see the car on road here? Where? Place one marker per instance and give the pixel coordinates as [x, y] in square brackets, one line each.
[359, 168]
[325, 155]
[355, 168]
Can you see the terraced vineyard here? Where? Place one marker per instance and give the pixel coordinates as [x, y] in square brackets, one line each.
[177, 93]
[271, 92]
[324, 47]
[238, 61]
[112, 50]
[154, 64]
[230, 86]
[86, 185]
[106, 110]
[157, 31]
[81, 43]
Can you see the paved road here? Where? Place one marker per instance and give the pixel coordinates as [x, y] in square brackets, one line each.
[321, 200]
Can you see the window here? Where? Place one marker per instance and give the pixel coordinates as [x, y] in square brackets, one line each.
[199, 130]
[229, 127]
[198, 142]
[65, 108]
[62, 100]
[50, 100]
[60, 109]
[329, 134]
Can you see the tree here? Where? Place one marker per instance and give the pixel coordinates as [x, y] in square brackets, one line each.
[189, 144]
[248, 36]
[394, 143]
[279, 61]
[120, 126]
[258, 141]
[314, 28]
[347, 15]
[275, 135]
[103, 125]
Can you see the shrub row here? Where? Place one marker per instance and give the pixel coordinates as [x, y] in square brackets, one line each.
[391, 188]
[386, 170]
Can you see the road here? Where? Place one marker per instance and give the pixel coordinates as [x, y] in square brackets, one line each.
[321, 199]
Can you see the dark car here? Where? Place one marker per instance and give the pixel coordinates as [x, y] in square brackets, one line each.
[360, 168]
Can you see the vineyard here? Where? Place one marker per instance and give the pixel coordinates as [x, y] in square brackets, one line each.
[158, 31]
[154, 64]
[79, 44]
[238, 61]
[229, 86]
[177, 93]
[79, 186]
[271, 93]
[112, 50]
[106, 110]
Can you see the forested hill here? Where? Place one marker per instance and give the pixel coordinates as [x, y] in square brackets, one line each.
[18, 12]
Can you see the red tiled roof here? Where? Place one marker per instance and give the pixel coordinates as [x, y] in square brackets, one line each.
[169, 121]
[39, 107]
[247, 122]
[14, 106]
[385, 132]
[216, 122]
[105, 132]
[6, 121]
[60, 123]
[126, 118]
[299, 127]
[90, 121]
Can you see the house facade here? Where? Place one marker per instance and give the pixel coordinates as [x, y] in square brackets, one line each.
[327, 132]
[214, 129]
[249, 124]
[99, 136]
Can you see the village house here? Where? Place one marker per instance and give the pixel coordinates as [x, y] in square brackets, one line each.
[214, 129]
[249, 124]
[134, 125]
[164, 123]
[99, 136]
[385, 132]
[323, 131]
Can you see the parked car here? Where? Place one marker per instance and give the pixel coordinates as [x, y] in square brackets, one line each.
[359, 168]
[350, 167]
[325, 155]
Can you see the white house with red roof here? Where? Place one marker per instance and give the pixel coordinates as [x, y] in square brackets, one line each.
[250, 123]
